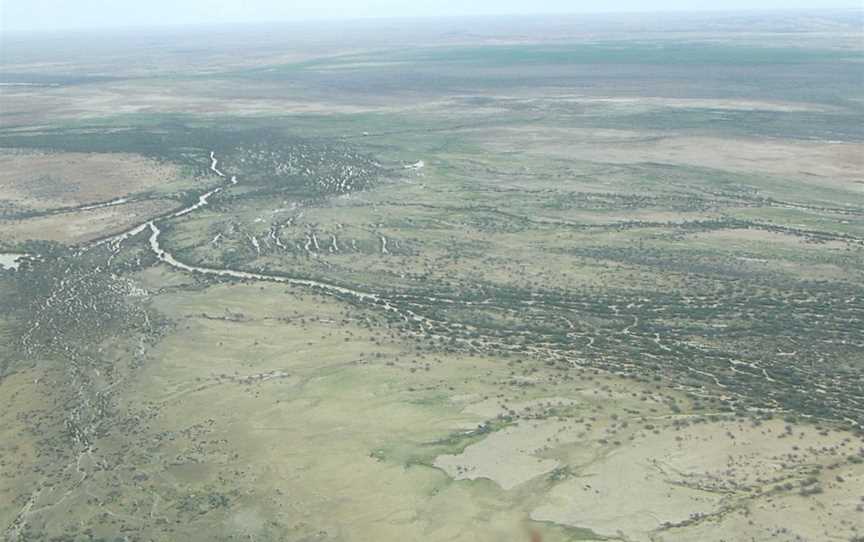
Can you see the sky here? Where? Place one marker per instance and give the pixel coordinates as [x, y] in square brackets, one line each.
[23, 15]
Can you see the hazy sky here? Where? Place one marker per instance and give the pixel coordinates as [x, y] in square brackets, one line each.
[63, 14]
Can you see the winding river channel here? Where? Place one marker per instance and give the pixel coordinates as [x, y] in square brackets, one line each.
[203, 200]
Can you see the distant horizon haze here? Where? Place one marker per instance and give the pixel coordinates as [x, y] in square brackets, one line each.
[62, 15]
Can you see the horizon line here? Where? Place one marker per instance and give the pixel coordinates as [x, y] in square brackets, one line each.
[372, 18]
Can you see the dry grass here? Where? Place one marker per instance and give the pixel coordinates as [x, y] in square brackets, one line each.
[42, 180]
[84, 226]
[824, 164]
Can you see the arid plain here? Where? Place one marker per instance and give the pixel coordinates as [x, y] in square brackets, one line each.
[582, 278]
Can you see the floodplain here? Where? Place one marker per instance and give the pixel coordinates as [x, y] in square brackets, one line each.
[511, 281]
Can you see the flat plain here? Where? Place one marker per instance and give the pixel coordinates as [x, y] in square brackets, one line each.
[582, 278]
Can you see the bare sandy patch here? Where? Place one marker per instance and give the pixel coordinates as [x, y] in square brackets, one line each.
[839, 165]
[601, 502]
[657, 102]
[43, 180]
[73, 103]
[80, 227]
[699, 103]
[507, 457]
[681, 477]
[831, 515]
